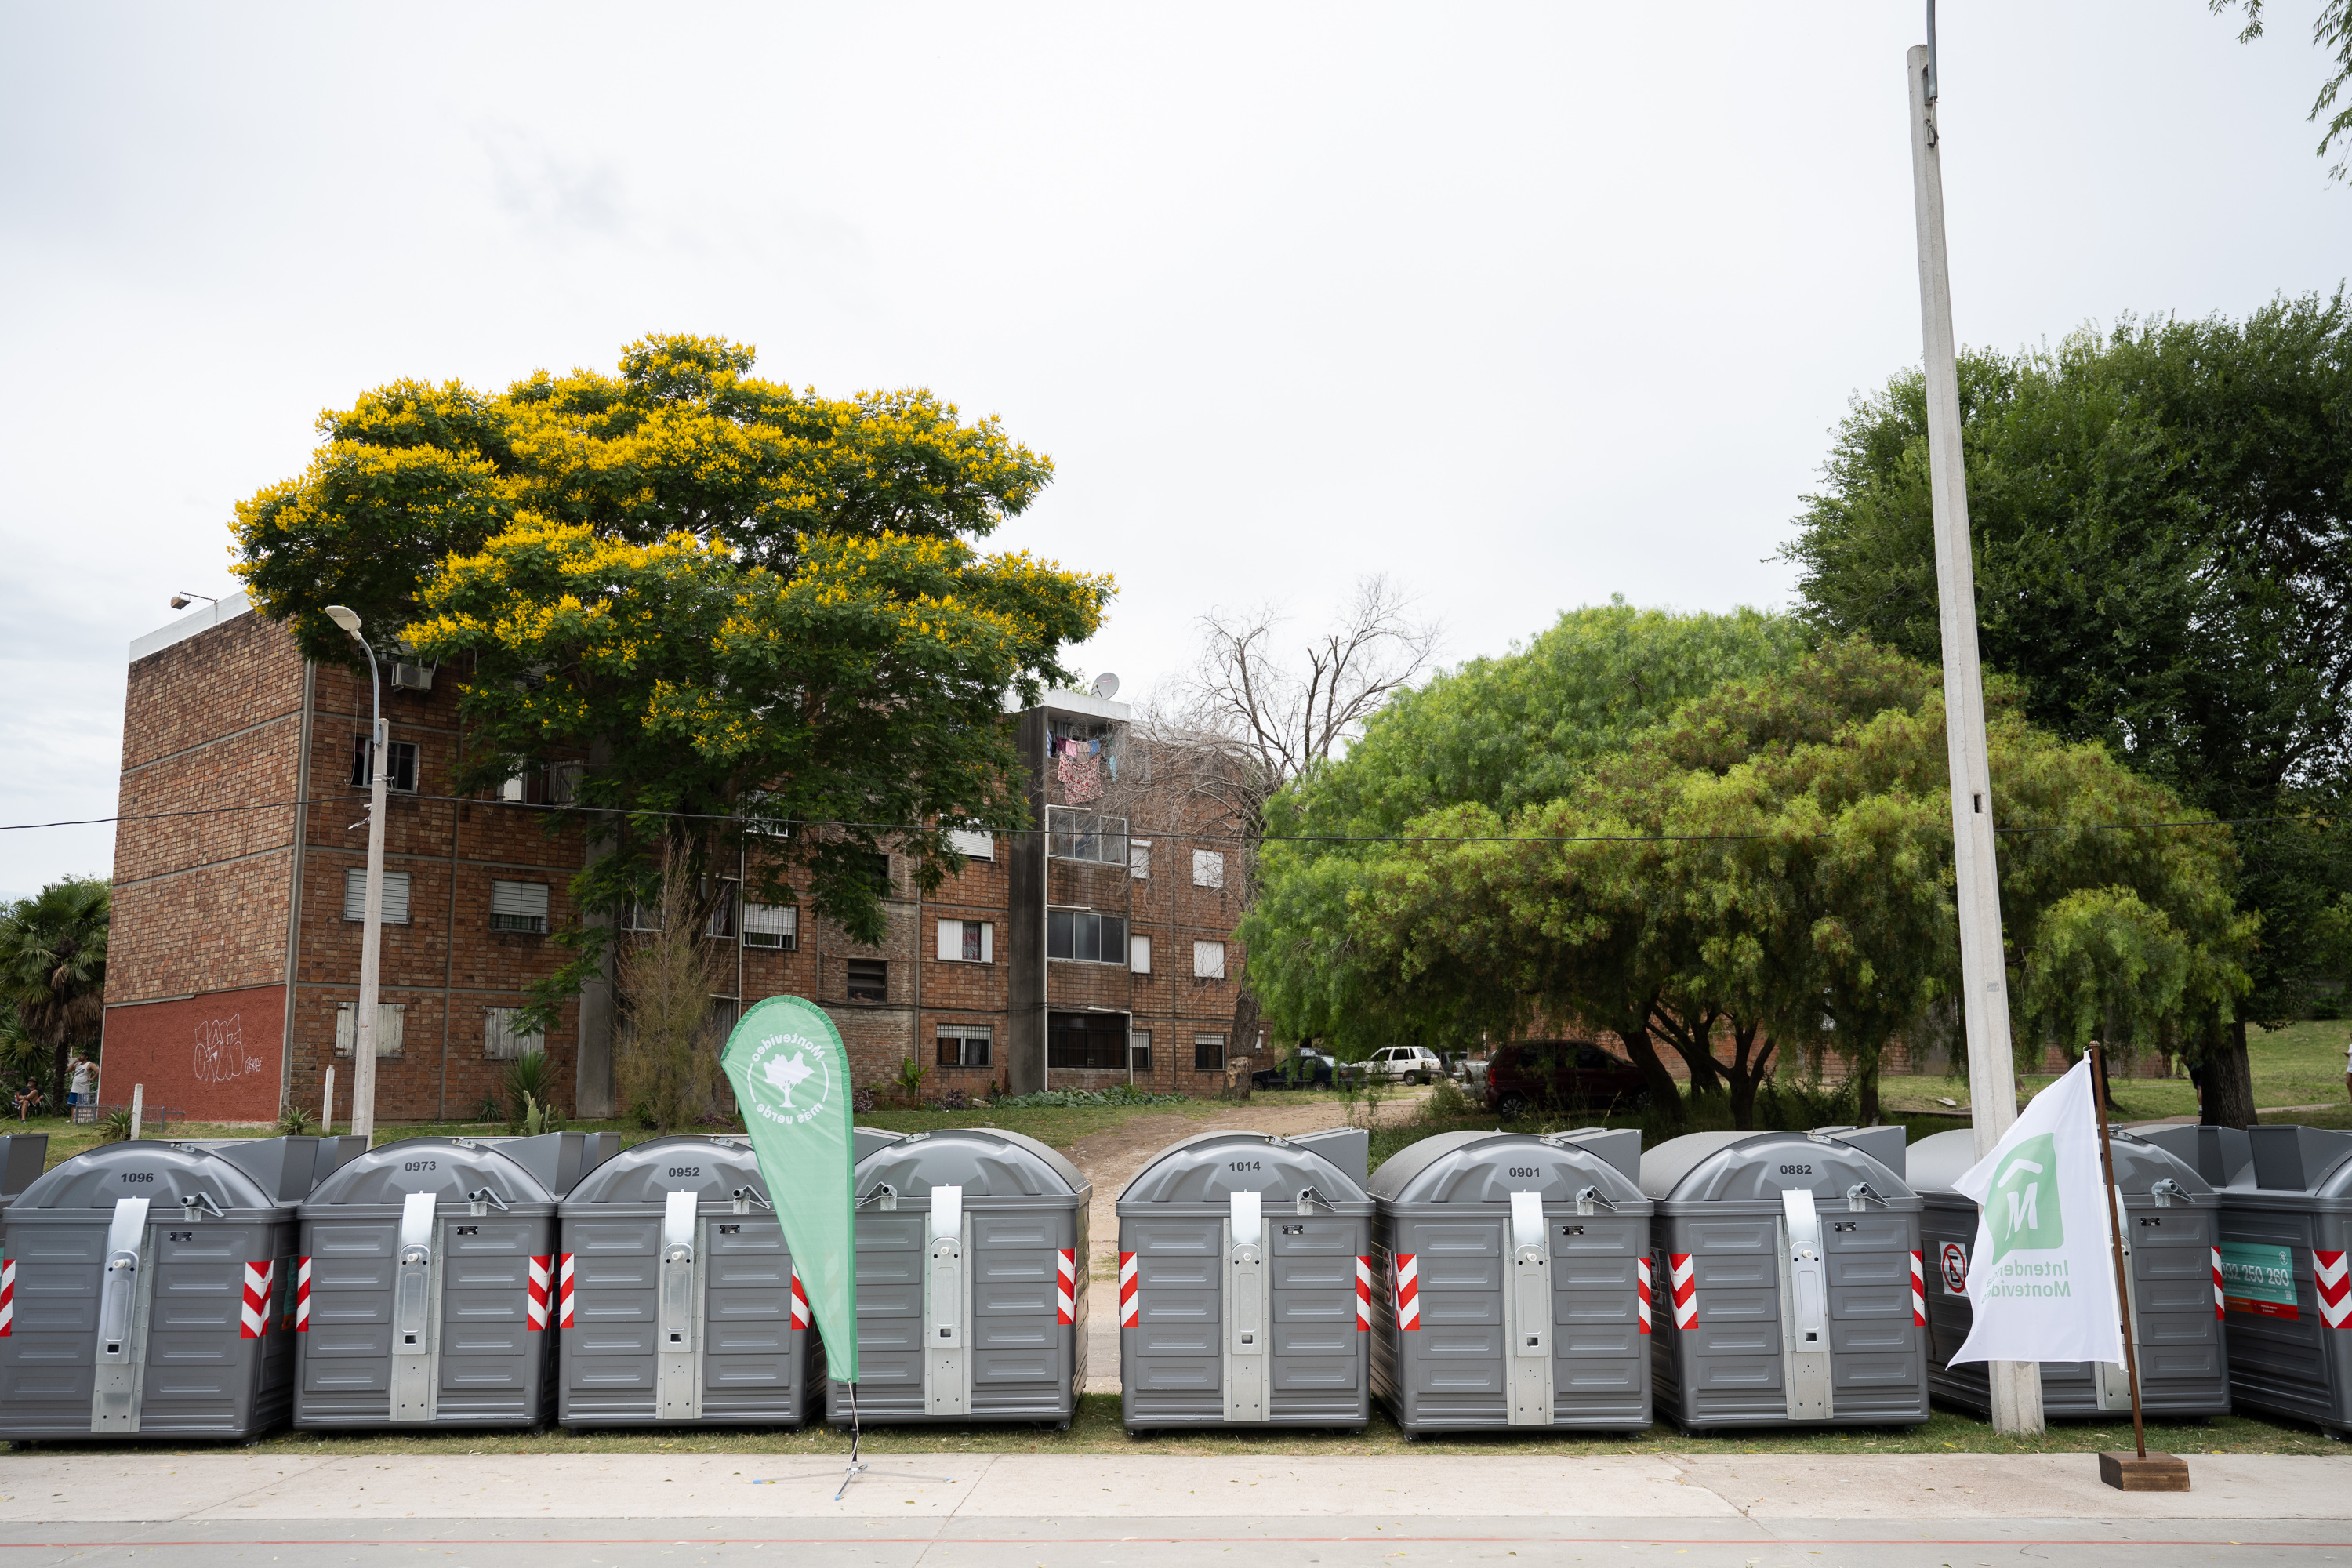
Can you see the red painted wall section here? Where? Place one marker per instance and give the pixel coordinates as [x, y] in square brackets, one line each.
[215, 1056]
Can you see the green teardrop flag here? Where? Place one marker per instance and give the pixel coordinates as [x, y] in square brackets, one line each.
[791, 1075]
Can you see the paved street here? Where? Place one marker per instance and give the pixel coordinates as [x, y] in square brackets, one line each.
[1750, 1512]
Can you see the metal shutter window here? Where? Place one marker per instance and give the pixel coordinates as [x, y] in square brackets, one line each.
[978, 845]
[396, 896]
[1139, 954]
[518, 906]
[967, 941]
[963, 1044]
[772, 925]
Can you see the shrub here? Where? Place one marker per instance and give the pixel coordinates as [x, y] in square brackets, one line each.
[1076, 1099]
[297, 1123]
[525, 1083]
[861, 1101]
[116, 1128]
[909, 1081]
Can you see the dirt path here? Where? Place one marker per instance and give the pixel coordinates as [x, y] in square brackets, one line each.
[1111, 1161]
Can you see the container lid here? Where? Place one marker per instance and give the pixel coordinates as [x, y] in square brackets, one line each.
[715, 1168]
[1758, 1167]
[2315, 1160]
[985, 1161]
[1209, 1167]
[2222, 1155]
[1488, 1167]
[449, 1168]
[22, 1155]
[1939, 1160]
[163, 1173]
[285, 1168]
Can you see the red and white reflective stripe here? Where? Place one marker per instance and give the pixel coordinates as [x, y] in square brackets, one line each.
[800, 1301]
[1363, 1295]
[301, 1295]
[1918, 1290]
[2218, 1304]
[1064, 1306]
[1683, 1280]
[1407, 1266]
[255, 1321]
[2334, 1290]
[1130, 1306]
[1642, 1290]
[535, 1307]
[564, 1292]
[7, 1297]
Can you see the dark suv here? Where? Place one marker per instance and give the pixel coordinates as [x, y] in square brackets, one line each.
[1562, 1075]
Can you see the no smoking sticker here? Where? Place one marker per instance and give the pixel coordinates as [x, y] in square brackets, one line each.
[1953, 1264]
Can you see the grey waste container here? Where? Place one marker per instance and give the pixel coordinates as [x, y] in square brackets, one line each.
[2286, 1237]
[152, 1293]
[1792, 1282]
[1516, 1291]
[971, 1302]
[2172, 1233]
[22, 1155]
[676, 1296]
[424, 1289]
[1245, 1283]
[2222, 1155]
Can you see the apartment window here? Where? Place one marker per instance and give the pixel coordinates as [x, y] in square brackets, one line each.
[400, 775]
[1208, 1053]
[721, 923]
[869, 980]
[1208, 868]
[1139, 1053]
[638, 915]
[979, 844]
[718, 1019]
[772, 925]
[877, 873]
[763, 814]
[518, 906]
[1072, 834]
[967, 941]
[1208, 960]
[391, 1025]
[1138, 858]
[563, 781]
[1139, 954]
[1085, 1040]
[396, 896]
[501, 1043]
[1086, 936]
[963, 1044]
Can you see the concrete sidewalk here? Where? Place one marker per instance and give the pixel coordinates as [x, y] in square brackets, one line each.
[47, 1487]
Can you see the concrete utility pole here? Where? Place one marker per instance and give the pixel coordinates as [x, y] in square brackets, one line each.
[1984, 1001]
[372, 926]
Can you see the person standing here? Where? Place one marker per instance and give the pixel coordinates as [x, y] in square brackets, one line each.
[82, 1090]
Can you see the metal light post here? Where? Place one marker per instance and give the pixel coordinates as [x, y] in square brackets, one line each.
[1984, 1000]
[372, 926]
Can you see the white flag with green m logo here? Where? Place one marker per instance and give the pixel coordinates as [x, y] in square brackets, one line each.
[2041, 1279]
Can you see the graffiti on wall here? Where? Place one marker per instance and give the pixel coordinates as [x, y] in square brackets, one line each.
[221, 1054]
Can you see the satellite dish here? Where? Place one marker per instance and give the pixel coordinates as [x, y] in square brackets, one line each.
[1106, 686]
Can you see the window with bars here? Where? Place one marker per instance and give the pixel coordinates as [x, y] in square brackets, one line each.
[518, 906]
[967, 941]
[869, 980]
[396, 896]
[1085, 1040]
[1086, 936]
[1208, 1053]
[399, 775]
[1208, 960]
[1072, 834]
[501, 1043]
[963, 1044]
[772, 925]
[391, 1027]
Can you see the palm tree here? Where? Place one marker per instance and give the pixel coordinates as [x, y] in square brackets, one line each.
[53, 966]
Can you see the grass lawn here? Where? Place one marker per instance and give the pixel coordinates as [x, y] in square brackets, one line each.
[1097, 1430]
[2302, 1064]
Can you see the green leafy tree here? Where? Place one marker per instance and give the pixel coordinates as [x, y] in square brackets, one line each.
[53, 969]
[747, 608]
[2332, 31]
[2161, 518]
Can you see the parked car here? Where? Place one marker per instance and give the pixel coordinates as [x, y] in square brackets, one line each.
[1312, 1069]
[1560, 1075]
[1404, 1064]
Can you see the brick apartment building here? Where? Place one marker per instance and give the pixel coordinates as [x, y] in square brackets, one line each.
[1076, 955]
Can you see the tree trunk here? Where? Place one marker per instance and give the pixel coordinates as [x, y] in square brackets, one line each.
[1746, 1076]
[58, 1093]
[1696, 1046]
[1645, 1054]
[1866, 1100]
[2229, 1081]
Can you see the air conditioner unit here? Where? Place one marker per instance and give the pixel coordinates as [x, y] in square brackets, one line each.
[406, 677]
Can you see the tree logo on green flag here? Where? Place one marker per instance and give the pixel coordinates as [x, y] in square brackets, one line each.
[2024, 1204]
[787, 1073]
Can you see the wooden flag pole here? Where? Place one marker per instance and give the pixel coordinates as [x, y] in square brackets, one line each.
[2142, 1472]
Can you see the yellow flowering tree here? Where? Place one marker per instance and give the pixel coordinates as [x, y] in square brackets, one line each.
[753, 610]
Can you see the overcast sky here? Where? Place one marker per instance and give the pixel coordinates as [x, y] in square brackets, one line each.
[1524, 305]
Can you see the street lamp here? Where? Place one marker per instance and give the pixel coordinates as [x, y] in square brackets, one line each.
[372, 925]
